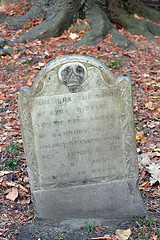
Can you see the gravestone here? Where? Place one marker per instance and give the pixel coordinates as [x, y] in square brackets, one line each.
[79, 141]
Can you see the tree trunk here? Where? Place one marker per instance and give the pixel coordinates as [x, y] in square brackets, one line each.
[58, 15]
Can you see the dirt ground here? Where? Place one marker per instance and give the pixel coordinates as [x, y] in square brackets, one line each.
[79, 229]
[71, 229]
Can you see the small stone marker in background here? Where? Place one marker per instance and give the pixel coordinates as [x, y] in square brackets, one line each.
[79, 140]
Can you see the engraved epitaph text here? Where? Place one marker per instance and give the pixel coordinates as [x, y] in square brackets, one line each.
[77, 136]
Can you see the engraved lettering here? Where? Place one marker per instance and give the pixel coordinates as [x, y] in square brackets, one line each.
[64, 100]
[75, 132]
[77, 153]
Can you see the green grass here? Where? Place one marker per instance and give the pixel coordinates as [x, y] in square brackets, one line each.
[115, 63]
[79, 27]
[11, 163]
[60, 235]
[13, 148]
[90, 227]
[147, 228]
[112, 62]
[11, 159]
[11, 67]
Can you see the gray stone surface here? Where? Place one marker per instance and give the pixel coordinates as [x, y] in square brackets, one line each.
[79, 140]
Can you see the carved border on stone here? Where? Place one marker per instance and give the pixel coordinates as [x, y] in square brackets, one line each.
[124, 86]
[26, 94]
[27, 134]
[39, 83]
[129, 138]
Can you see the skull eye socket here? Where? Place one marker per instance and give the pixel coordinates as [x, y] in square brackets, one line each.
[79, 70]
[65, 72]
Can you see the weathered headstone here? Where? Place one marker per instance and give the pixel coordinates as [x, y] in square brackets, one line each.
[79, 140]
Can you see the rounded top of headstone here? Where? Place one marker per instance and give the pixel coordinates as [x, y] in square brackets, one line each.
[72, 74]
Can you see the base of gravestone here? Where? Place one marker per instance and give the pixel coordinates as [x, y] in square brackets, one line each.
[116, 199]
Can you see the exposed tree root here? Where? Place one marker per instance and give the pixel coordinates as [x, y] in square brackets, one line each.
[59, 17]
[121, 41]
[36, 10]
[139, 8]
[100, 26]
[118, 15]
[9, 50]
[2, 17]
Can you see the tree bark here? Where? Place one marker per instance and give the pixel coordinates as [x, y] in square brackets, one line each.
[139, 8]
[118, 14]
[101, 25]
[58, 15]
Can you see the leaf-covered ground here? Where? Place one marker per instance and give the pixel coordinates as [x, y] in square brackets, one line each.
[20, 69]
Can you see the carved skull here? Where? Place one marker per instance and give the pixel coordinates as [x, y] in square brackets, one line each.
[72, 75]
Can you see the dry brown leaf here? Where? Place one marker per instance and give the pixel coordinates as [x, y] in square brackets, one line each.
[2, 173]
[144, 185]
[21, 194]
[123, 234]
[12, 195]
[157, 191]
[46, 53]
[151, 125]
[106, 237]
[2, 8]
[10, 184]
[23, 202]
[13, 237]
[149, 105]
[23, 188]
[8, 190]
[26, 179]
[29, 82]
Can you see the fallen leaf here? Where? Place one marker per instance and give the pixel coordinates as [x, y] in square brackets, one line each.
[140, 136]
[29, 82]
[144, 185]
[13, 237]
[2, 96]
[2, 8]
[21, 194]
[12, 195]
[2, 173]
[151, 125]
[10, 184]
[149, 105]
[41, 64]
[106, 237]
[73, 36]
[146, 75]
[23, 202]
[143, 159]
[154, 170]
[23, 188]
[155, 238]
[123, 234]
[156, 150]
[46, 53]
[157, 191]
[26, 179]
